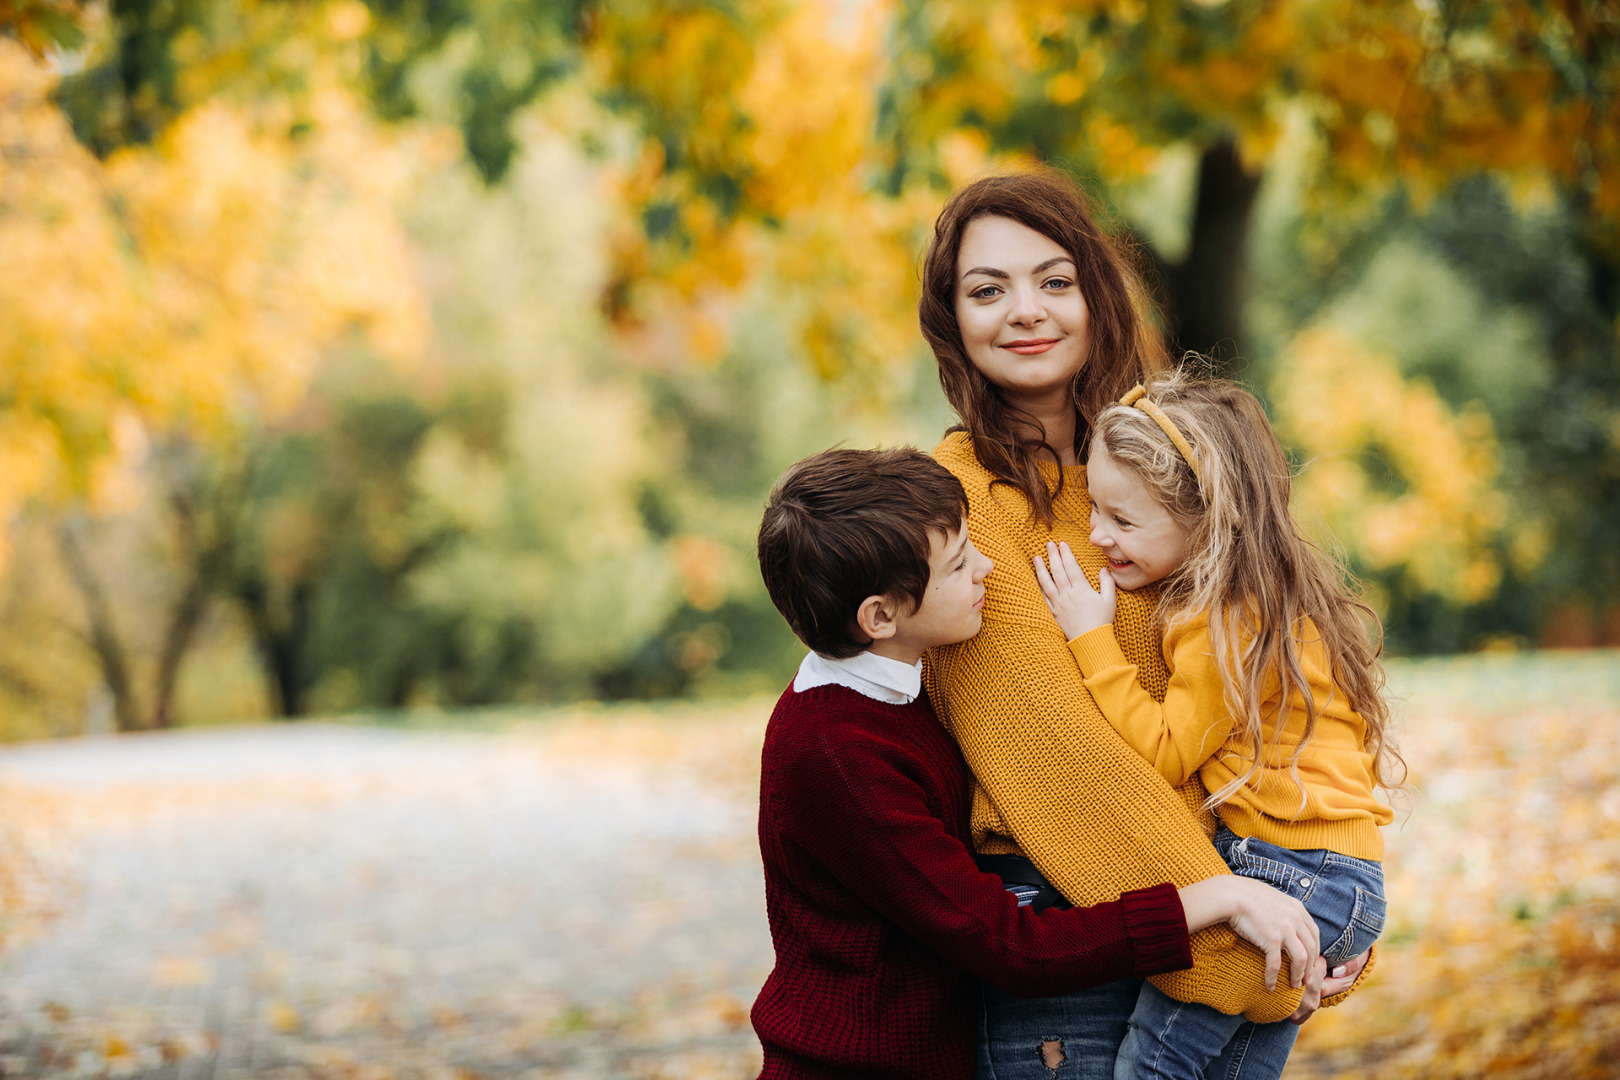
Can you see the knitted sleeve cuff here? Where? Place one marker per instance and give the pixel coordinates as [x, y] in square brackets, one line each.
[1156, 924]
[1097, 649]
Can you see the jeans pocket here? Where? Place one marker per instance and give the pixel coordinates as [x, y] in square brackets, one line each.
[1365, 924]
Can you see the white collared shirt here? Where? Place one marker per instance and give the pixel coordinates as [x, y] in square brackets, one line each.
[879, 678]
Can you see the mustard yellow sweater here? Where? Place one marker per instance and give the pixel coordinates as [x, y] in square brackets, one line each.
[1191, 734]
[1052, 779]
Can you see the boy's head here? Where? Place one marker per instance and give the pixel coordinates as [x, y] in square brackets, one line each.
[847, 526]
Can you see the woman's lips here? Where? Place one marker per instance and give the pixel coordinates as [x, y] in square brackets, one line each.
[1032, 347]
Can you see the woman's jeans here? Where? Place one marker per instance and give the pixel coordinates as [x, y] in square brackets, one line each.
[1170, 1039]
[1080, 1035]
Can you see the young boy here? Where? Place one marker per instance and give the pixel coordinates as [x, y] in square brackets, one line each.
[879, 915]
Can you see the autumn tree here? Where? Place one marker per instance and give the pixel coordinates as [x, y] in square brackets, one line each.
[179, 291]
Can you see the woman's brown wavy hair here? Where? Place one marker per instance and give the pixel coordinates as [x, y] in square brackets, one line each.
[1125, 346]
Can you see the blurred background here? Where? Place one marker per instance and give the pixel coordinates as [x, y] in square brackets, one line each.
[425, 365]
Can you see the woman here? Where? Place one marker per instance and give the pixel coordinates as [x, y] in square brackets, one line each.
[1035, 320]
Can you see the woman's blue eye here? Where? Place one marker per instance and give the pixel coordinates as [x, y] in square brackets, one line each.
[1057, 283]
[984, 292]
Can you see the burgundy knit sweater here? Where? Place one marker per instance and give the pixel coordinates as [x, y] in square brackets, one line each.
[879, 916]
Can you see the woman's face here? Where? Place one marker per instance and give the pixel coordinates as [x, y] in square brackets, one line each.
[1024, 323]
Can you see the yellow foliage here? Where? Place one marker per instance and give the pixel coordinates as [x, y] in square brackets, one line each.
[805, 158]
[1437, 514]
[193, 283]
[813, 94]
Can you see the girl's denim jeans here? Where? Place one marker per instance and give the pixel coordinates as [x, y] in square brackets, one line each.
[1171, 1039]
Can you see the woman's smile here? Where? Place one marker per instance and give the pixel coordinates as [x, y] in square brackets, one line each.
[1030, 348]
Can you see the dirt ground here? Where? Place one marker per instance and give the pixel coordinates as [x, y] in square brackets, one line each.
[580, 898]
[578, 894]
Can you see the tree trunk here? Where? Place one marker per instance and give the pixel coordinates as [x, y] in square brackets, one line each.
[281, 643]
[1207, 288]
[183, 621]
[205, 551]
[103, 635]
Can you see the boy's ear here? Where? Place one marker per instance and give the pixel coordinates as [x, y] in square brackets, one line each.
[876, 617]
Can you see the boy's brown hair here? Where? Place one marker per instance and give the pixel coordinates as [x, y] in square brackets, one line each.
[847, 524]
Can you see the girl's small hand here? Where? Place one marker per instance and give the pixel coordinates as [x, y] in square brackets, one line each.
[1337, 981]
[1079, 608]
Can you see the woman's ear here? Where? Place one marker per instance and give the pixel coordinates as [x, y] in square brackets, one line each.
[875, 617]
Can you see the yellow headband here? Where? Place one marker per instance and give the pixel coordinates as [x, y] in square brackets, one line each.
[1138, 397]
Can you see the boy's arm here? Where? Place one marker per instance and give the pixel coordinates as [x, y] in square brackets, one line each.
[1179, 736]
[857, 809]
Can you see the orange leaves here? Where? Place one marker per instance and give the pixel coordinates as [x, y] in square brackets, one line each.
[812, 94]
[1499, 91]
[1501, 956]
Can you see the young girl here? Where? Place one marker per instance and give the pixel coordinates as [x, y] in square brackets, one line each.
[1274, 696]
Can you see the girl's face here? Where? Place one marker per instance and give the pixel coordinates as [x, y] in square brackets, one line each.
[1143, 543]
[1023, 321]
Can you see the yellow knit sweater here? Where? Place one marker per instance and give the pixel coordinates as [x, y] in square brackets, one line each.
[1190, 734]
[1052, 780]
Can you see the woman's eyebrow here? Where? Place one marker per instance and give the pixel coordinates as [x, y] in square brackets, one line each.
[990, 271]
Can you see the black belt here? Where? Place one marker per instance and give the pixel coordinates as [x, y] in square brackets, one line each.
[1018, 870]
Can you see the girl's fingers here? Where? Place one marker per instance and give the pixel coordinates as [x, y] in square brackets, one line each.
[1069, 564]
[1060, 573]
[1105, 584]
[1048, 588]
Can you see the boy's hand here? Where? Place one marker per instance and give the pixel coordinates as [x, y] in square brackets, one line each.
[1079, 608]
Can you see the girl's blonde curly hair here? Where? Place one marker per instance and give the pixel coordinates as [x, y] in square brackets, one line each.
[1251, 568]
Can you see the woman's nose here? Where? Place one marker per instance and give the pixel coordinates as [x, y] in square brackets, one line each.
[1027, 309]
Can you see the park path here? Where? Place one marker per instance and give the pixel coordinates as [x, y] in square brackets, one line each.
[571, 899]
